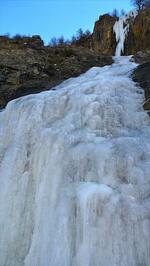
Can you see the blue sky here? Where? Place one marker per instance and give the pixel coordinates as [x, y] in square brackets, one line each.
[50, 18]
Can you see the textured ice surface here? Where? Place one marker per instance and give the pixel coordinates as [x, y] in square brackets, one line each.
[121, 29]
[74, 174]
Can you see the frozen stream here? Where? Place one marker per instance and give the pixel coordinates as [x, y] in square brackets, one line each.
[75, 174]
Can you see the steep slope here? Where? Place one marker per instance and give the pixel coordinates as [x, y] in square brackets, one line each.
[75, 183]
[27, 66]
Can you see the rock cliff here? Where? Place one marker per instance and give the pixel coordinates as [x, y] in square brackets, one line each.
[103, 35]
[142, 76]
[27, 66]
[137, 37]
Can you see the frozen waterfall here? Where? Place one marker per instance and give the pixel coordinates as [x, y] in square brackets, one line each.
[121, 29]
[74, 174]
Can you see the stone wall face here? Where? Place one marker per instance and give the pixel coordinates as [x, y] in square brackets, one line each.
[137, 39]
[103, 35]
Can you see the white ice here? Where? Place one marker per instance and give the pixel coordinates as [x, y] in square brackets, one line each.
[74, 174]
[121, 29]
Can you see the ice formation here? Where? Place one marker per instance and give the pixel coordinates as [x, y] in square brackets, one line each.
[121, 29]
[74, 174]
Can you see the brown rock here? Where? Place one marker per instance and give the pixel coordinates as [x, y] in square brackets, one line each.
[142, 75]
[142, 57]
[27, 66]
[103, 35]
[138, 38]
[146, 105]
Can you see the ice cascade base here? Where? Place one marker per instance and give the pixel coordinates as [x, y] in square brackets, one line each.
[74, 174]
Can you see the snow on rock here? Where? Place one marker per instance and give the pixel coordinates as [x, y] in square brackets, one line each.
[121, 29]
[74, 174]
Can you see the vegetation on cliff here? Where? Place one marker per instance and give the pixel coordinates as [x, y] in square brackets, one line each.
[27, 66]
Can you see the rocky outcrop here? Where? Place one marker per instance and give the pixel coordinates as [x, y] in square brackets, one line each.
[103, 35]
[137, 36]
[142, 75]
[142, 57]
[27, 66]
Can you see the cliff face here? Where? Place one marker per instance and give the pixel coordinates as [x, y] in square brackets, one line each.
[137, 36]
[103, 35]
[27, 66]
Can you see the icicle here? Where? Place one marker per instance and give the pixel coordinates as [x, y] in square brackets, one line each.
[121, 29]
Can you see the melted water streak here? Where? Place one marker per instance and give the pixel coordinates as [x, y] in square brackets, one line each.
[74, 172]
